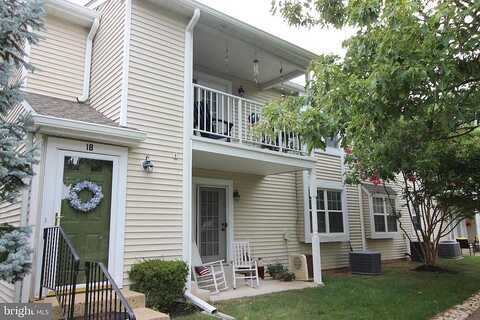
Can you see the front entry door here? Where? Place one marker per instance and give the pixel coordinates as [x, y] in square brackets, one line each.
[212, 223]
[89, 231]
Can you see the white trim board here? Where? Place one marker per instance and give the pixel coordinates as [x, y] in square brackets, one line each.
[222, 183]
[56, 149]
[75, 129]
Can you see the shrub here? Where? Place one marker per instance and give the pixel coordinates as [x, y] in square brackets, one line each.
[275, 269]
[162, 282]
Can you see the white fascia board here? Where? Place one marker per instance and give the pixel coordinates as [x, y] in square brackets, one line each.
[87, 131]
[247, 152]
[71, 11]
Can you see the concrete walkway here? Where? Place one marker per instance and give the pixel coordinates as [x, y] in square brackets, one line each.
[475, 315]
[266, 287]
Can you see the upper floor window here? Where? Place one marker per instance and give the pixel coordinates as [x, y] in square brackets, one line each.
[384, 218]
[330, 217]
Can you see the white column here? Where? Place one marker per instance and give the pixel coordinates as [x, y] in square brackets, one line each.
[477, 225]
[317, 264]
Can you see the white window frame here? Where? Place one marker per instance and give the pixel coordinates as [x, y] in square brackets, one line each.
[327, 236]
[386, 234]
[227, 184]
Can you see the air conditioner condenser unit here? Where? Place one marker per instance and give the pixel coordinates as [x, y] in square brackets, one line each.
[299, 265]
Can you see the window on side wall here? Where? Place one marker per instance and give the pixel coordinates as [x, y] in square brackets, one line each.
[330, 216]
[384, 219]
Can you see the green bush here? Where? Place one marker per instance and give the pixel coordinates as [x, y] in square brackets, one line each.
[162, 282]
[274, 270]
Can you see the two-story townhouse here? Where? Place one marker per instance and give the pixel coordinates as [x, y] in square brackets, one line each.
[154, 102]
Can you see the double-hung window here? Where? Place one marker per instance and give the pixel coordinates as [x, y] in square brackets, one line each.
[330, 217]
[384, 214]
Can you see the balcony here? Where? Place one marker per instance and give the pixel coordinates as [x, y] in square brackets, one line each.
[224, 137]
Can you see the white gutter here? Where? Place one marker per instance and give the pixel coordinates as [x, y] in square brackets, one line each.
[187, 141]
[88, 61]
[126, 62]
[73, 12]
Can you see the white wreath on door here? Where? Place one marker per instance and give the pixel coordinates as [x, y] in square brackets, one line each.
[92, 203]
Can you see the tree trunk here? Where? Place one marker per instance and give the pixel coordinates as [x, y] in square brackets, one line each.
[430, 253]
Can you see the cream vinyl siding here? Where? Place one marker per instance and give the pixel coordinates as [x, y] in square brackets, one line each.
[154, 225]
[389, 248]
[9, 213]
[266, 211]
[58, 60]
[107, 60]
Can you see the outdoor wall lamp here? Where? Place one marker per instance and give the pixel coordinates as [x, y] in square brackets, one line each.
[236, 195]
[147, 164]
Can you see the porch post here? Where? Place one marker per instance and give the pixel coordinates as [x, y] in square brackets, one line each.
[477, 225]
[317, 264]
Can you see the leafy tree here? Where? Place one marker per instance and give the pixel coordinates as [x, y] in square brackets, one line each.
[18, 21]
[404, 101]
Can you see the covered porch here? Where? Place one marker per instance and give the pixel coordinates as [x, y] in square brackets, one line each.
[259, 201]
[245, 187]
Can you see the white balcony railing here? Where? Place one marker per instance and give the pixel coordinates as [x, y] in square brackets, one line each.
[222, 116]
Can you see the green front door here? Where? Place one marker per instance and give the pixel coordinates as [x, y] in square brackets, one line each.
[89, 231]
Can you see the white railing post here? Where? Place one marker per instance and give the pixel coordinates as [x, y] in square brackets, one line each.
[240, 120]
[280, 140]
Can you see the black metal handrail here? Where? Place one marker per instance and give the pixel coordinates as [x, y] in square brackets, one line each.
[103, 299]
[60, 267]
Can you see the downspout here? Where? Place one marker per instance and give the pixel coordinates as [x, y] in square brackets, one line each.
[187, 142]
[208, 308]
[88, 61]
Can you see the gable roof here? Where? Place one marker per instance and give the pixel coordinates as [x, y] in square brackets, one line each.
[60, 108]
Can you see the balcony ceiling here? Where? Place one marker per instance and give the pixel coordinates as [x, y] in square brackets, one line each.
[211, 32]
[210, 47]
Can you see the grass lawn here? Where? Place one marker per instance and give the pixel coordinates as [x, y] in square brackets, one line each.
[398, 294]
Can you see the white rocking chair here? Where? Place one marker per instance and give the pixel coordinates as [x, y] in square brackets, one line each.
[209, 276]
[244, 267]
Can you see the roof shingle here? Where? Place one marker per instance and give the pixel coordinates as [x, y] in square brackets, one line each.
[60, 108]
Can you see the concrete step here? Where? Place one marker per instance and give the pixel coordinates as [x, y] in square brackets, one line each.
[136, 300]
[149, 314]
